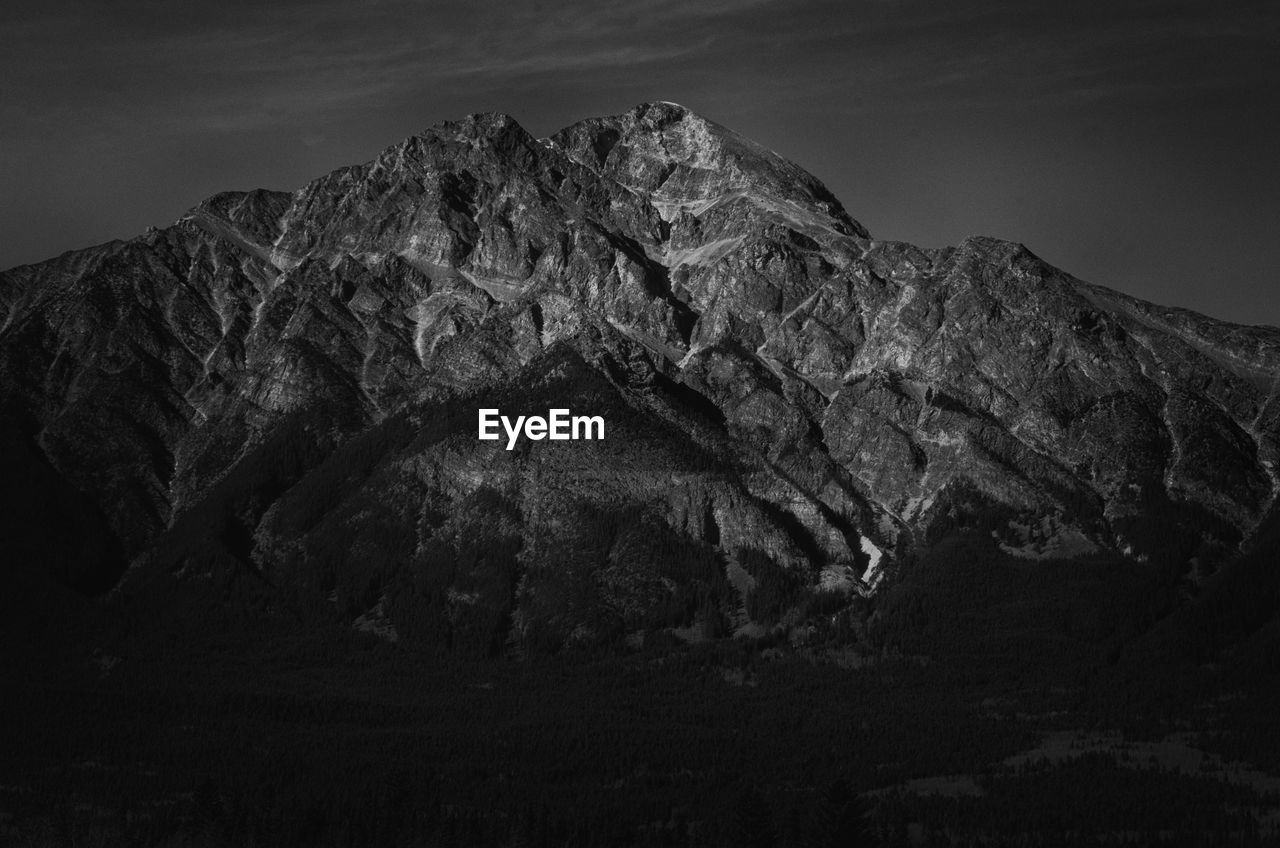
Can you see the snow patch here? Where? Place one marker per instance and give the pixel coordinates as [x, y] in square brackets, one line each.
[872, 576]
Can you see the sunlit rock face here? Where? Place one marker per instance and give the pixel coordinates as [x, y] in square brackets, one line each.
[279, 391]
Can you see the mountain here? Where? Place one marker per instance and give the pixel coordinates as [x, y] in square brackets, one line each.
[270, 406]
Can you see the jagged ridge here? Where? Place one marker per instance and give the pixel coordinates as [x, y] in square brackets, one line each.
[285, 384]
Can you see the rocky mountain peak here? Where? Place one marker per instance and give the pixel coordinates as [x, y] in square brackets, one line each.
[684, 162]
[286, 384]
[494, 133]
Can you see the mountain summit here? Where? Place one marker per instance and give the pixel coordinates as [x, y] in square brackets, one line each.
[276, 397]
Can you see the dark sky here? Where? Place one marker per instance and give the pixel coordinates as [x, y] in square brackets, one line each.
[1134, 144]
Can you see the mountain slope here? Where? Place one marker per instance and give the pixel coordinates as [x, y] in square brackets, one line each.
[275, 397]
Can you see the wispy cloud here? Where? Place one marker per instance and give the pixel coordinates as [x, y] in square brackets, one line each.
[237, 65]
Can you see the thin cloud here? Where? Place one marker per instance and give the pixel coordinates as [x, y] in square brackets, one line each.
[249, 65]
[546, 63]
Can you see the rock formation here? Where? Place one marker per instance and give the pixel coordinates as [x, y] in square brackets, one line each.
[275, 397]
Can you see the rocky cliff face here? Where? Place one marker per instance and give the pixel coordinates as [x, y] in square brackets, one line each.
[277, 395]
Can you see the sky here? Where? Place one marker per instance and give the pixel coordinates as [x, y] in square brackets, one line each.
[1133, 144]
